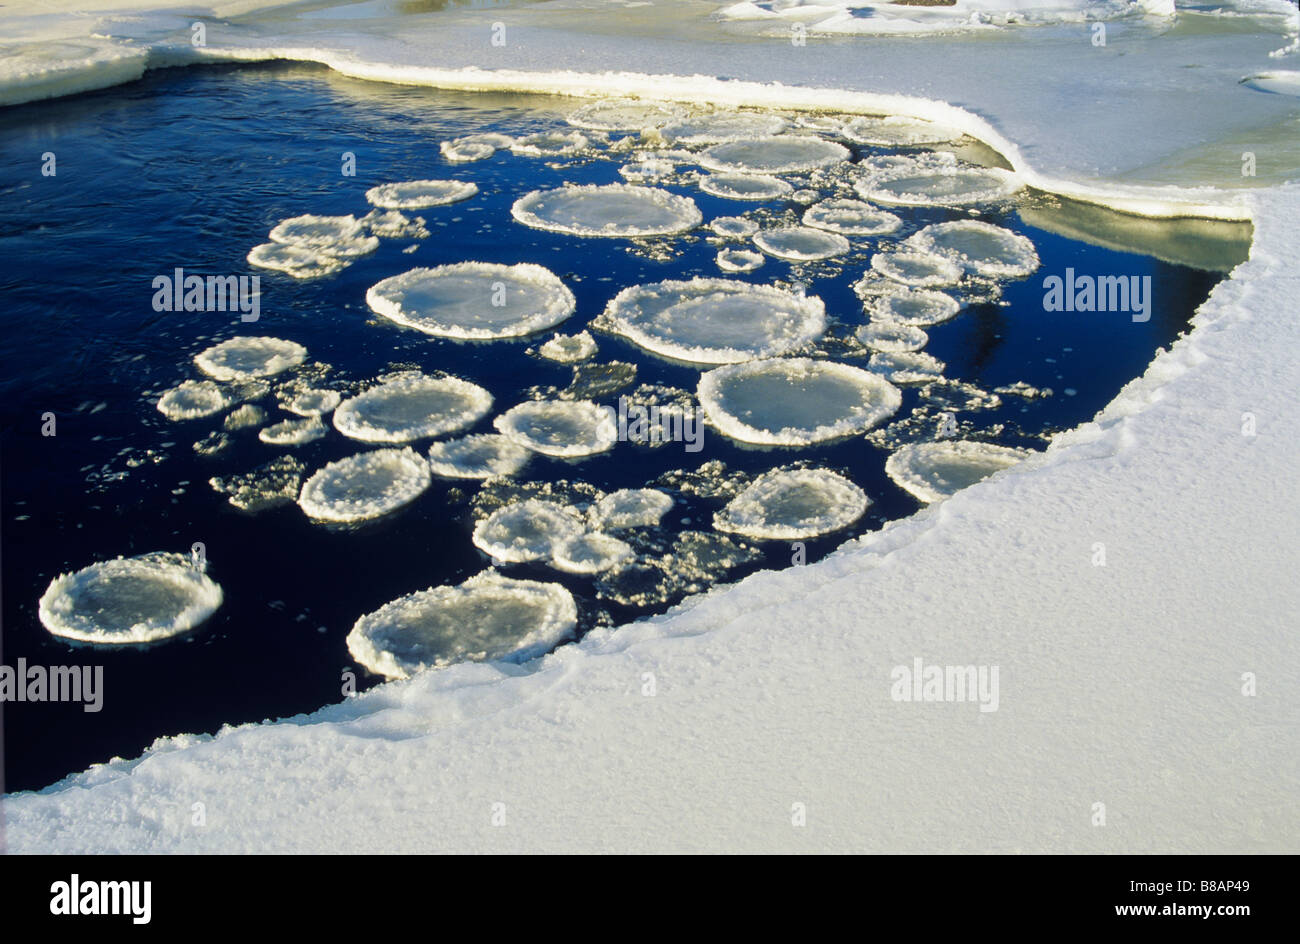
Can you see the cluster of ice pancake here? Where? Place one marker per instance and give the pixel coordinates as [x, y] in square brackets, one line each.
[805, 190]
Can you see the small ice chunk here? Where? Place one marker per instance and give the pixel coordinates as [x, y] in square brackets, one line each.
[631, 508]
[341, 236]
[734, 227]
[801, 243]
[612, 210]
[915, 307]
[980, 248]
[418, 194]
[367, 485]
[780, 154]
[551, 144]
[487, 618]
[561, 428]
[244, 417]
[891, 337]
[718, 127]
[570, 348]
[591, 553]
[715, 321]
[192, 399]
[897, 131]
[474, 300]
[649, 169]
[917, 269]
[275, 483]
[246, 358]
[297, 261]
[481, 456]
[412, 407]
[795, 401]
[793, 504]
[907, 367]
[129, 600]
[851, 218]
[942, 186]
[745, 186]
[475, 147]
[528, 530]
[625, 115]
[932, 471]
[739, 260]
[394, 224]
[313, 402]
[292, 432]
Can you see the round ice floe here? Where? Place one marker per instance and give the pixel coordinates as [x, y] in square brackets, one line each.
[550, 144]
[851, 218]
[781, 154]
[890, 337]
[917, 307]
[333, 234]
[934, 470]
[982, 248]
[650, 169]
[591, 554]
[129, 600]
[313, 402]
[482, 456]
[718, 127]
[792, 504]
[297, 261]
[795, 401]
[418, 194]
[563, 428]
[907, 367]
[474, 300]
[896, 131]
[412, 407]
[244, 358]
[734, 227]
[569, 349]
[739, 260]
[943, 186]
[243, 417]
[192, 399]
[715, 321]
[474, 147]
[918, 269]
[744, 186]
[367, 485]
[801, 243]
[609, 210]
[631, 508]
[292, 432]
[822, 124]
[526, 531]
[487, 618]
[625, 115]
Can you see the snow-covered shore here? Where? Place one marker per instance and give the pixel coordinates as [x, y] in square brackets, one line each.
[1121, 684]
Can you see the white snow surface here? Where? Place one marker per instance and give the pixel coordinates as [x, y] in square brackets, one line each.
[1125, 690]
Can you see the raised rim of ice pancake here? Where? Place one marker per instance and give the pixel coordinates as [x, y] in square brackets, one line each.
[897, 131]
[892, 337]
[412, 407]
[917, 269]
[791, 504]
[914, 307]
[338, 491]
[673, 319]
[419, 194]
[552, 143]
[625, 115]
[733, 227]
[564, 429]
[246, 358]
[607, 210]
[804, 401]
[932, 471]
[630, 508]
[591, 552]
[981, 248]
[527, 530]
[720, 127]
[775, 154]
[456, 301]
[487, 618]
[851, 218]
[192, 400]
[129, 600]
[942, 186]
[739, 260]
[296, 261]
[801, 243]
[745, 186]
[480, 456]
[907, 367]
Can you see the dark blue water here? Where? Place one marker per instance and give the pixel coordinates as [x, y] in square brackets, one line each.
[191, 168]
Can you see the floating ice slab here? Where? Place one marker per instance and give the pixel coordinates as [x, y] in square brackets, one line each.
[739, 260]
[246, 358]
[611, 210]
[339, 236]
[934, 470]
[801, 243]
[487, 618]
[297, 261]
[719, 127]
[916, 307]
[570, 348]
[243, 417]
[525, 531]
[795, 401]
[907, 367]
[891, 337]
[274, 483]
[897, 131]
[474, 300]
[412, 407]
[631, 508]
[474, 147]
[418, 194]
[367, 485]
[591, 553]
[625, 115]
[943, 186]
[292, 432]
[744, 186]
[129, 600]
[980, 248]
[851, 218]
[779, 154]
[649, 169]
[792, 504]
[394, 224]
[561, 428]
[917, 269]
[551, 144]
[734, 227]
[715, 321]
[482, 456]
[192, 399]
[311, 402]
